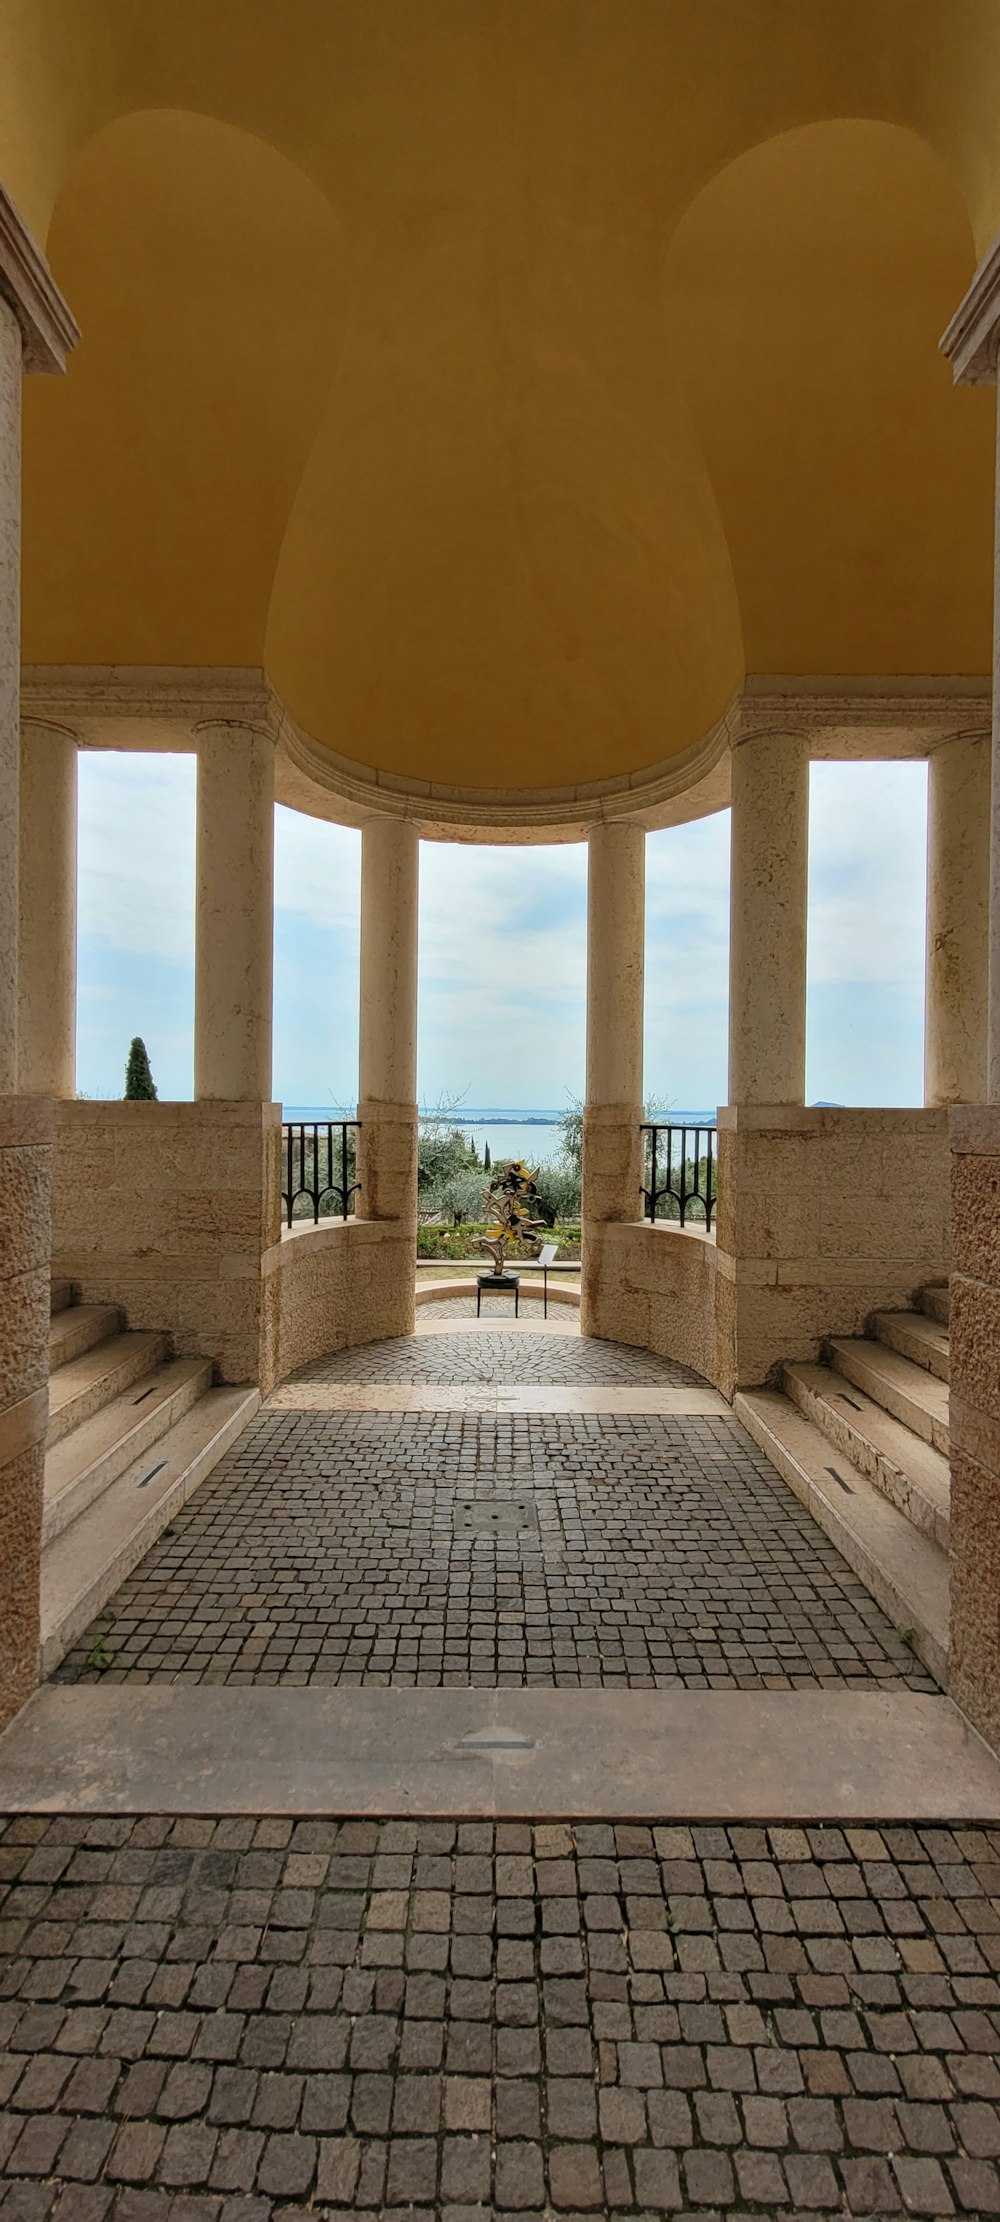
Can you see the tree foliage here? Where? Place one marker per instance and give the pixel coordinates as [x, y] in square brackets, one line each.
[140, 1086]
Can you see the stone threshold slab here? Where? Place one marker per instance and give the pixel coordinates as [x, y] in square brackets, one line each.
[721, 1755]
[424, 1396]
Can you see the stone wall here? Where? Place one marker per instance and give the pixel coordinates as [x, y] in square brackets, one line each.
[169, 1209]
[25, 1172]
[341, 1283]
[824, 1216]
[654, 1287]
[975, 1418]
[173, 1211]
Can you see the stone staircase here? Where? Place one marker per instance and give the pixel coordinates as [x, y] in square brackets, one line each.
[132, 1431]
[863, 1440]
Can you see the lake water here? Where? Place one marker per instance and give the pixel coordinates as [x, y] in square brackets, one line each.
[535, 1136]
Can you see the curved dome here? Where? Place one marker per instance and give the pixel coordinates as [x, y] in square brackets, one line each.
[205, 272]
[508, 378]
[808, 287]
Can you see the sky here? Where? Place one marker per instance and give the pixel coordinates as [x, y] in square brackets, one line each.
[503, 949]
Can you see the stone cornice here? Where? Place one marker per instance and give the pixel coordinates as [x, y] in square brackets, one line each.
[972, 339]
[863, 718]
[48, 328]
[147, 707]
[687, 785]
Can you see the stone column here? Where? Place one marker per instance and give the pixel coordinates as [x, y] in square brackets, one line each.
[958, 896]
[46, 987]
[972, 345]
[768, 896]
[36, 333]
[387, 1106]
[234, 917]
[10, 654]
[612, 1113]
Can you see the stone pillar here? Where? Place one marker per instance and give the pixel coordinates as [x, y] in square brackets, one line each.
[36, 333]
[768, 897]
[612, 1113]
[387, 1105]
[10, 654]
[958, 892]
[234, 917]
[974, 1679]
[972, 345]
[46, 987]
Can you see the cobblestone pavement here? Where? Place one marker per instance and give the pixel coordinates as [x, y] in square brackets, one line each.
[511, 1360]
[501, 1308]
[650, 1550]
[264, 2021]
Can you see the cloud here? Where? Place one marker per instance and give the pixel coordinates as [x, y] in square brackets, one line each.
[867, 874]
[503, 956]
[317, 871]
[503, 945]
[137, 839]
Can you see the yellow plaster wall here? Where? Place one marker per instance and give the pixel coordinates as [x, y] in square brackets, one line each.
[508, 377]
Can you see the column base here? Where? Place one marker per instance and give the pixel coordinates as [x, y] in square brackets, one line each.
[25, 1189]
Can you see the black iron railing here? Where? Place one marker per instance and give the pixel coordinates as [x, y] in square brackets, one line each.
[679, 1171]
[319, 1162]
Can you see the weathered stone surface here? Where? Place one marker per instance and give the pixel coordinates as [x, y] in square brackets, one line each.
[975, 1343]
[975, 1203]
[24, 1208]
[24, 1326]
[434, 2017]
[975, 1590]
[20, 1551]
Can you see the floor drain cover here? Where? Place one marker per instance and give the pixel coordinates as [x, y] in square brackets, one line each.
[494, 1516]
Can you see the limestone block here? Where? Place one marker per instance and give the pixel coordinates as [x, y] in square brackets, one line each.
[20, 1552]
[771, 1325]
[24, 1334]
[975, 1344]
[975, 1203]
[387, 1164]
[976, 1434]
[612, 1162]
[24, 1208]
[974, 1678]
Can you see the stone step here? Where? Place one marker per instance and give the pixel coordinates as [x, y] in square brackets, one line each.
[78, 1327]
[85, 1384]
[915, 1337]
[60, 1294]
[905, 1571]
[900, 1387]
[85, 1565]
[87, 1460]
[935, 1302]
[911, 1473]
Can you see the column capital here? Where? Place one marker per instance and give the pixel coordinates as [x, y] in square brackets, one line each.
[49, 330]
[971, 343]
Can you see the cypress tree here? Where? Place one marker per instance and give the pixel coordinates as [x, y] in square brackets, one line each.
[487, 1160]
[140, 1086]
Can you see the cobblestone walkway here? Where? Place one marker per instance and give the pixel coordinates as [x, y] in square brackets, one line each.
[501, 1308]
[261, 2021]
[637, 1550]
[512, 1359]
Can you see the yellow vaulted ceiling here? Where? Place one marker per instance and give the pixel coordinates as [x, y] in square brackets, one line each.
[508, 375]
